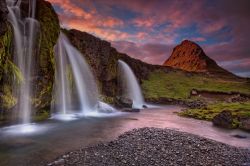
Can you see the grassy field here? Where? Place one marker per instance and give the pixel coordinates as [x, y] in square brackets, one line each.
[178, 85]
[237, 110]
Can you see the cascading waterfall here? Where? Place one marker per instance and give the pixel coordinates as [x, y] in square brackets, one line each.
[25, 36]
[130, 86]
[70, 59]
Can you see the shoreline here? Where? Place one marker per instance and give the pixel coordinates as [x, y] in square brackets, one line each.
[155, 146]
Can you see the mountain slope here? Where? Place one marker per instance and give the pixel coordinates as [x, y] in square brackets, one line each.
[189, 56]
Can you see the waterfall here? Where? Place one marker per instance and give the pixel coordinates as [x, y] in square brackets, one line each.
[130, 86]
[25, 44]
[70, 60]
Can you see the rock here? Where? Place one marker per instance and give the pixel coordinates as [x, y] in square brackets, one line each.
[59, 162]
[144, 106]
[194, 92]
[3, 17]
[102, 58]
[123, 102]
[239, 136]
[237, 98]
[223, 119]
[189, 56]
[245, 124]
[131, 110]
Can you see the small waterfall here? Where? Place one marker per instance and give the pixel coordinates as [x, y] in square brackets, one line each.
[130, 86]
[70, 59]
[25, 44]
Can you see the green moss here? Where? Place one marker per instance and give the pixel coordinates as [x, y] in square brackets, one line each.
[41, 115]
[50, 30]
[14, 72]
[7, 100]
[178, 85]
[106, 99]
[237, 110]
[5, 50]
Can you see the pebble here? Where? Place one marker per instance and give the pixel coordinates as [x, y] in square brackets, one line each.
[153, 147]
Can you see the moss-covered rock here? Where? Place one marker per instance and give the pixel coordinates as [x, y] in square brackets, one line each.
[49, 32]
[44, 60]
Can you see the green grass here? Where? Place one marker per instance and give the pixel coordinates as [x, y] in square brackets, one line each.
[237, 109]
[178, 85]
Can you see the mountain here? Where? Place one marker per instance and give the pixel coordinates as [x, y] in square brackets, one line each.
[190, 57]
[157, 81]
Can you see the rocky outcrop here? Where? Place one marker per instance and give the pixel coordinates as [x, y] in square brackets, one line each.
[49, 32]
[223, 119]
[189, 56]
[3, 17]
[44, 60]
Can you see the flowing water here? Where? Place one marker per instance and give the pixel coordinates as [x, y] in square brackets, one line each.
[130, 86]
[25, 48]
[54, 138]
[75, 89]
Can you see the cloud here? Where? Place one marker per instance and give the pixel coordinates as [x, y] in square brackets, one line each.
[140, 28]
[151, 52]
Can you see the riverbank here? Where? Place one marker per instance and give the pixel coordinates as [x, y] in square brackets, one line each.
[153, 146]
[54, 138]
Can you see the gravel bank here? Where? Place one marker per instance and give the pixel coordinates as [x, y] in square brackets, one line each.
[152, 146]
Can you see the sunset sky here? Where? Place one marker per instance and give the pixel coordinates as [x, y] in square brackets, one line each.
[149, 29]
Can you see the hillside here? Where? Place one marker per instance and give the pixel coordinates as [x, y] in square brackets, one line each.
[157, 81]
[189, 56]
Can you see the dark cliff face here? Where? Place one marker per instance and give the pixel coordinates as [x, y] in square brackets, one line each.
[3, 17]
[100, 56]
[104, 60]
[44, 59]
[189, 56]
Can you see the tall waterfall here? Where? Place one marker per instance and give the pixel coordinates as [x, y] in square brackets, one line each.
[130, 85]
[25, 47]
[79, 87]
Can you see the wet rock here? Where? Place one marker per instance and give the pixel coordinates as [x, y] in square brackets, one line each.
[131, 110]
[3, 17]
[245, 124]
[239, 136]
[123, 102]
[223, 119]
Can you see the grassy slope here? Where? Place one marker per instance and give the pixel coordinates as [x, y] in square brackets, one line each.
[237, 109]
[178, 85]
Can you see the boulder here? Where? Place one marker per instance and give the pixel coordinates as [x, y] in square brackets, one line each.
[3, 17]
[194, 92]
[245, 124]
[223, 119]
[123, 102]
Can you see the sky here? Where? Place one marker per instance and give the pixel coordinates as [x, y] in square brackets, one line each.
[150, 29]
